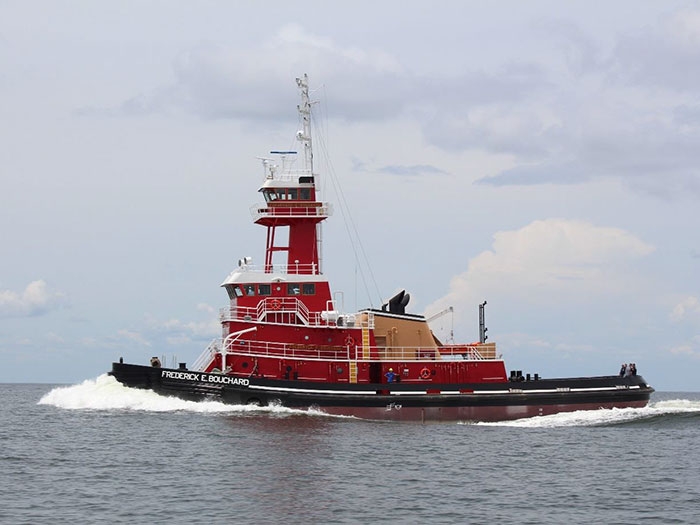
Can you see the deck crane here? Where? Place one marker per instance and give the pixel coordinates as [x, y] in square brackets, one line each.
[448, 310]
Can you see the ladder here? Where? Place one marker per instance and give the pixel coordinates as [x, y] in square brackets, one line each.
[352, 370]
[365, 335]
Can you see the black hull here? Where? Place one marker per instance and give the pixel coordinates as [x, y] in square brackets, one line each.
[398, 401]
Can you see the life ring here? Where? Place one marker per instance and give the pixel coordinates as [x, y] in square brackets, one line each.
[424, 373]
[276, 304]
[349, 341]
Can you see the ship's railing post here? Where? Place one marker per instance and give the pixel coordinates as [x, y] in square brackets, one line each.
[230, 338]
[207, 354]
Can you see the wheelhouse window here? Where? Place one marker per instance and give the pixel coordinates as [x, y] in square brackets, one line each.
[308, 288]
[234, 291]
[269, 195]
[249, 289]
[293, 289]
[264, 289]
[305, 194]
[292, 194]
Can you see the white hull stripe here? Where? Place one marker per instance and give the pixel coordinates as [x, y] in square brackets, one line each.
[443, 392]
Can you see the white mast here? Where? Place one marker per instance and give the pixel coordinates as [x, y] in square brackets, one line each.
[304, 135]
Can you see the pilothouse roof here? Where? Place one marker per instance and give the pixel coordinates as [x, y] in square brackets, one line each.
[259, 276]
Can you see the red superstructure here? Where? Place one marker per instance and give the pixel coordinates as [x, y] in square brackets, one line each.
[282, 321]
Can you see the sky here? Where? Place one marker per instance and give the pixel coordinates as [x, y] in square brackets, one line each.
[541, 156]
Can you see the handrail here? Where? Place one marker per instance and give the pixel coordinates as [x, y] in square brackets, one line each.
[291, 269]
[288, 350]
[230, 338]
[263, 210]
[440, 353]
[213, 348]
[282, 305]
[292, 305]
[344, 353]
[289, 175]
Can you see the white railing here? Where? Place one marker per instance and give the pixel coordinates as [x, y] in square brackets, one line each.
[294, 308]
[291, 269]
[289, 350]
[415, 353]
[207, 355]
[253, 348]
[284, 209]
[472, 352]
[287, 175]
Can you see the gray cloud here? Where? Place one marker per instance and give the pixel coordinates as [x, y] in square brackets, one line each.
[579, 116]
[664, 55]
[529, 175]
[416, 169]
[216, 81]
[633, 124]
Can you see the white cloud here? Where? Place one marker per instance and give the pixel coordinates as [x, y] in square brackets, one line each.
[684, 27]
[89, 341]
[36, 299]
[688, 307]
[178, 332]
[131, 336]
[54, 338]
[123, 338]
[294, 38]
[207, 308]
[689, 349]
[547, 261]
[178, 340]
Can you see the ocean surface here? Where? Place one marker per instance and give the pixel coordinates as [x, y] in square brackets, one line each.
[98, 452]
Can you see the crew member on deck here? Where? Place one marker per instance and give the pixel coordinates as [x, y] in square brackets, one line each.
[390, 376]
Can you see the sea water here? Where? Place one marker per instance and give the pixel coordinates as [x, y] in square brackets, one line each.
[98, 452]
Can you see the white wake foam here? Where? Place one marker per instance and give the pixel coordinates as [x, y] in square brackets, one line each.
[106, 393]
[605, 416]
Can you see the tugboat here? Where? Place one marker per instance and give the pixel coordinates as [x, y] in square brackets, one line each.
[286, 340]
